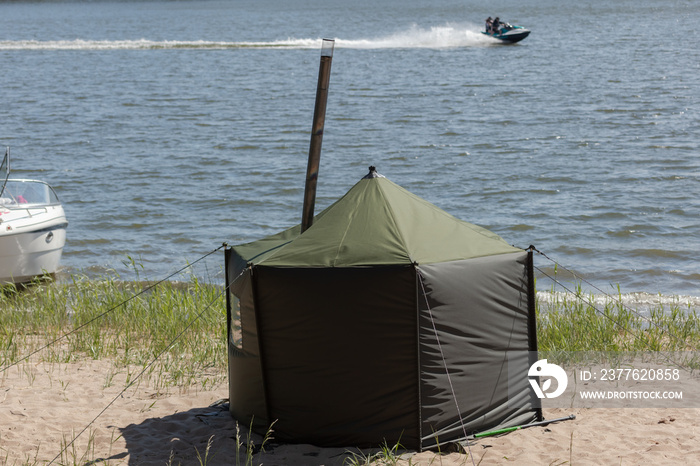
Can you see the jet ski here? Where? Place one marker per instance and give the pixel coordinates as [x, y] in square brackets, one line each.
[508, 33]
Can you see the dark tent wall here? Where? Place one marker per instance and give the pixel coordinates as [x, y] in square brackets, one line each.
[363, 329]
[358, 365]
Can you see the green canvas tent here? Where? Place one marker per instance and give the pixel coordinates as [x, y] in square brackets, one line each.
[387, 320]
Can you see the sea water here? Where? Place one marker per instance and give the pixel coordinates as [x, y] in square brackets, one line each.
[171, 127]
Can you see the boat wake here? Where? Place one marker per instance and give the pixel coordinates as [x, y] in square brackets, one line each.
[437, 37]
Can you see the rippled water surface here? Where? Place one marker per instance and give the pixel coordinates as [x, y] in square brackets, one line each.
[168, 128]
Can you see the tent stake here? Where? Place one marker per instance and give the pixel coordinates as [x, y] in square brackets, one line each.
[324, 76]
[525, 426]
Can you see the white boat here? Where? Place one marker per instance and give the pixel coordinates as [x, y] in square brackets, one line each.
[32, 228]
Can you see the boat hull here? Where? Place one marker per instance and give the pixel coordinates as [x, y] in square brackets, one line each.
[512, 36]
[32, 248]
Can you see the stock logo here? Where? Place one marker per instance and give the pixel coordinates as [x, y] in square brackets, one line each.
[549, 372]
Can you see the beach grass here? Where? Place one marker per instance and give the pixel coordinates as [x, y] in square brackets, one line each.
[576, 322]
[176, 329]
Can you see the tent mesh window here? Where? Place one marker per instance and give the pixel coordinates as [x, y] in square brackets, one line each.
[236, 325]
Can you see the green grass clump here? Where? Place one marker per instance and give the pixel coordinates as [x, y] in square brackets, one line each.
[130, 323]
[577, 322]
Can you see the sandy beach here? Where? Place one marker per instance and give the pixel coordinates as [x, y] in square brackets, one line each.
[43, 406]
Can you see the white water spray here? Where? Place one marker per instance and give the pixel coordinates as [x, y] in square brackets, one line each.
[435, 37]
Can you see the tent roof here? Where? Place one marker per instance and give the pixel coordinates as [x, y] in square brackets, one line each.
[376, 222]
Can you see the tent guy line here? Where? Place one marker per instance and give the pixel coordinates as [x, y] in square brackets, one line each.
[148, 366]
[421, 280]
[80, 327]
[616, 299]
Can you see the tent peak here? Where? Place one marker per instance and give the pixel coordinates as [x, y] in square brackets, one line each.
[372, 173]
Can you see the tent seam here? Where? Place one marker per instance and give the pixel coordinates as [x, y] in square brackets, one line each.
[345, 234]
[397, 226]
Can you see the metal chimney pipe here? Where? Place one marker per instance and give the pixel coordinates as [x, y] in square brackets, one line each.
[324, 76]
